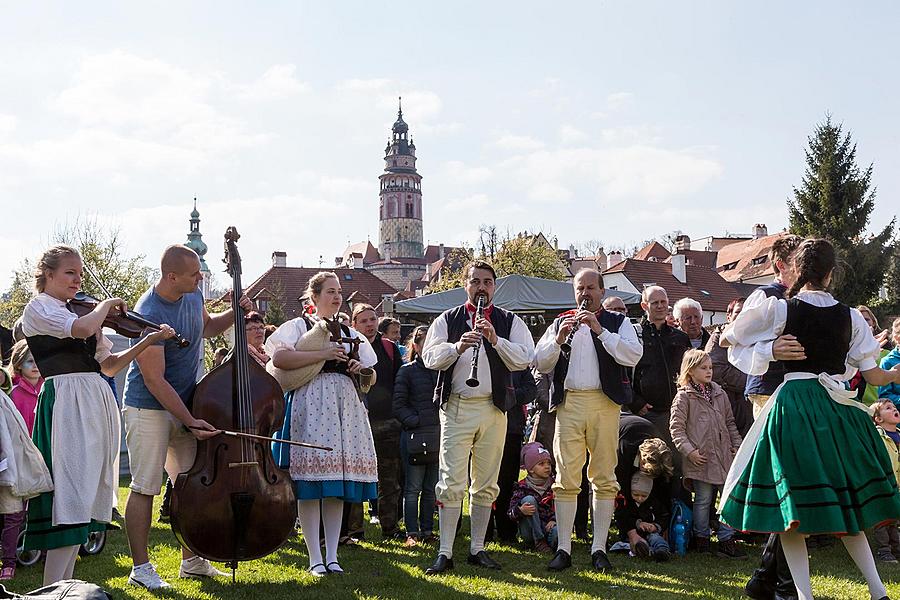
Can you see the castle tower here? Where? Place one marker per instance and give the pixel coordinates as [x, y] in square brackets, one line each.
[195, 242]
[400, 198]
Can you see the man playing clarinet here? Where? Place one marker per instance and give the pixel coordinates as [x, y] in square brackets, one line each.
[463, 346]
[587, 351]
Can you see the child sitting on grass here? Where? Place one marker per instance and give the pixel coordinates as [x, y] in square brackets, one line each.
[886, 417]
[643, 519]
[531, 505]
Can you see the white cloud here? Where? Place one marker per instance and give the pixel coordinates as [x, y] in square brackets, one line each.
[571, 135]
[278, 82]
[517, 143]
[619, 100]
[471, 204]
[7, 124]
[459, 172]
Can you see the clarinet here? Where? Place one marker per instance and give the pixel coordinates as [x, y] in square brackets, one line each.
[472, 381]
[566, 346]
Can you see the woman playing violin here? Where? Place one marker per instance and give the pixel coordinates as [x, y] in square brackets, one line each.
[77, 422]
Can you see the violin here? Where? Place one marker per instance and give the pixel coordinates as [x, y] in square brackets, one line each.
[129, 324]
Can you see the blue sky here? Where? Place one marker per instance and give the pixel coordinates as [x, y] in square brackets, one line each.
[595, 120]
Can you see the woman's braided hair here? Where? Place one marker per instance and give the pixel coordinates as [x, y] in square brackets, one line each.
[813, 261]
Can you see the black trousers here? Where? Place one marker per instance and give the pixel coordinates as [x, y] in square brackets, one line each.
[501, 526]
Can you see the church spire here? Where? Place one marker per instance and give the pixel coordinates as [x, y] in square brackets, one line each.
[195, 242]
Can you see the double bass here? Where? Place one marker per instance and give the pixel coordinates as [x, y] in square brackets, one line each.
[235, 504]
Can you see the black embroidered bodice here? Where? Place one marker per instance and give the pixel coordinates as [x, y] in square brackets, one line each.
[824, 333]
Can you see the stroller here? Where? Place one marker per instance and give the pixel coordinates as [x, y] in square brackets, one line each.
[94, 545]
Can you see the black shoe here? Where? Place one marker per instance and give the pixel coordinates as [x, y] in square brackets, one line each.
[600, 562]
[642, 549]
[440, 565]
[778, 596]
[481, 559]
[561, 561]
[759, 589]
[662, 555]
[338, 571]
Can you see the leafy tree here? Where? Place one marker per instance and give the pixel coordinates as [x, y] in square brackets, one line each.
[509, 255]
[835, 202]
[102, 251]
[275, 313]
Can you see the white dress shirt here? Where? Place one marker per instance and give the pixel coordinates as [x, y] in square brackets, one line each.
[517, 353]
[760, 323]
[584, 368]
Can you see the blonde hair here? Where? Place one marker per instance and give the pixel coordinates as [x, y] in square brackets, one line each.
[49, 261]
[655, 458]
[876, 407]
[317, 282]
[692, 359]
[895, 330]
[416, 337]
[865, 309]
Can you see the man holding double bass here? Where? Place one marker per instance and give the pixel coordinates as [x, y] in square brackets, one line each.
[474, 351]
[157, 396]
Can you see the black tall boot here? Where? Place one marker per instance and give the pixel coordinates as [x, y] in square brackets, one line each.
[761, 585]
[784, 586]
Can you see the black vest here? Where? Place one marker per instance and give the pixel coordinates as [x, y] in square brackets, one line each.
[824, 333]
[503, 393]
[614, 381]
[58, 356]
[380, 398]
[331, 366]
[766, 383]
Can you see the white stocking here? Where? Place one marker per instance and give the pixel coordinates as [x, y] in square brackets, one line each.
[565, 521]
[794, 545]
[60, 564]
[310, 515]
[603, 513]
[332, 515]
[448, 517]
[479, 517]
[858, 548]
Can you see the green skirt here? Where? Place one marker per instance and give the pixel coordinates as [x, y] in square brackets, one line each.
[40, 534]
[818, 467]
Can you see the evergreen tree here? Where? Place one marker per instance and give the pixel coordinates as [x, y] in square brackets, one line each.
[835, 202]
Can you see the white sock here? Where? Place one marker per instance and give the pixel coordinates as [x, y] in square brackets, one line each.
[565, 521]
[448, 516]
[479, 516]
[60, 564]
[332, 515]
[310, 515]
[794, 546]
[603, 513]
[858, 548]
[141, 567]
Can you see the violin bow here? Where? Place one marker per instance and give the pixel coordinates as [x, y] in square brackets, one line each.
[263, 438]
[96, 279]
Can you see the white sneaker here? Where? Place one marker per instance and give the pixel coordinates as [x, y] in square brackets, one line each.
[147, 577]
[197, 566]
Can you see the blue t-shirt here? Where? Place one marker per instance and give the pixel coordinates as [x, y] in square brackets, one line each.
[182, 364]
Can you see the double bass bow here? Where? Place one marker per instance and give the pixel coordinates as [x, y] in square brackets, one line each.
[235, 504]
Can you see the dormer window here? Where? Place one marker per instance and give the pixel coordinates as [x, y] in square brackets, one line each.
[759, 260]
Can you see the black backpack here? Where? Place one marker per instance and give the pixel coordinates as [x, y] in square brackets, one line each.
[67, 589]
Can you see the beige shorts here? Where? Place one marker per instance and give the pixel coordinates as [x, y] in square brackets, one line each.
[156, 440]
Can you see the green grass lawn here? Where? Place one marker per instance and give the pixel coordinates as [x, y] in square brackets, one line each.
[389, 570]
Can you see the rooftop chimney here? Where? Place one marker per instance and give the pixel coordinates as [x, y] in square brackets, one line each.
[760, 231]
[279, 259]
[614, 258]
[441, 251]
[679, 267]
[682, 243]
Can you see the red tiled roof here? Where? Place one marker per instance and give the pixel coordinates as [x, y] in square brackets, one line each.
[748, 259]
[433, 253]
[652, 250]
[701, 258]
[703, 284]
[364, 250]
[292, 283]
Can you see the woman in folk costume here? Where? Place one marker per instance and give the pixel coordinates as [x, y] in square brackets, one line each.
[77, 422]
[326, 411]
[813, 462]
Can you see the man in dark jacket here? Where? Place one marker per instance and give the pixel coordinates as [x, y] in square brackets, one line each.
[526, 391]
[385, 428]
[655, 374]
